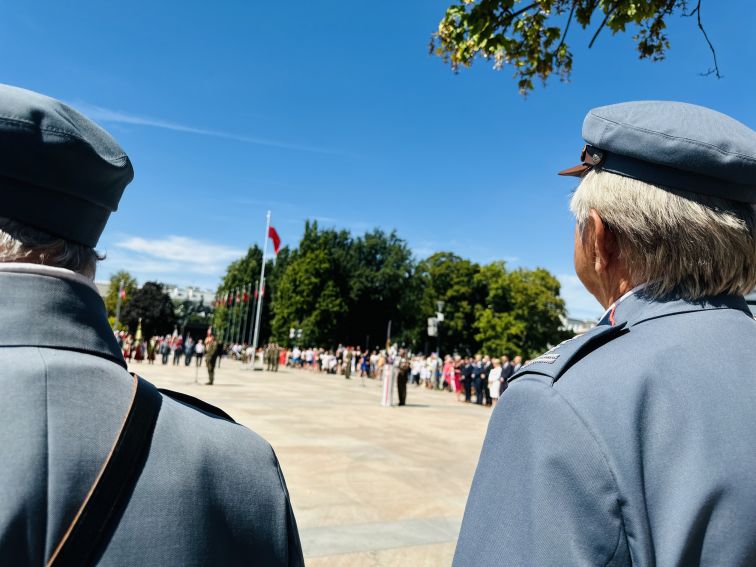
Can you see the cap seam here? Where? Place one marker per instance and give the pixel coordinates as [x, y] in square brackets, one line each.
[20, 122]
[668, 136]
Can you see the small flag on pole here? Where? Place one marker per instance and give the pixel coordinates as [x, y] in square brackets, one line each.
[273, 235]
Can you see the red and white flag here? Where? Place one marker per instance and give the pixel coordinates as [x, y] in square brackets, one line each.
[273, 235]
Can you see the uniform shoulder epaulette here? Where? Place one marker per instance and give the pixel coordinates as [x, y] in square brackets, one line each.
[556, 361]
[196, 403]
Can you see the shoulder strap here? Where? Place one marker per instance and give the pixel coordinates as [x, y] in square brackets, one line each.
[114, 483]
[196, 403]
[556, 361]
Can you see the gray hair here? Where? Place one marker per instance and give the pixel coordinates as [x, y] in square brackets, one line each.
[681, 244]
[22, 243]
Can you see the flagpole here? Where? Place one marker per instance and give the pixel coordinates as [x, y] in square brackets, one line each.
[258, 315]
[252, 315]
[234, 311]
[242, 311]
[118, 305]
[243, 325]
[227, 322]
[222, 337]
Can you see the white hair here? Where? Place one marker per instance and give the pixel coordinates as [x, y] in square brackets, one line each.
[22, 243]
[679, 243]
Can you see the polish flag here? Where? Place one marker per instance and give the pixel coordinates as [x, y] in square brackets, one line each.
[273, 235]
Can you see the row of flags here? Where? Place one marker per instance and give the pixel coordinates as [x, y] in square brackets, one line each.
[237, 329]
[237, 296]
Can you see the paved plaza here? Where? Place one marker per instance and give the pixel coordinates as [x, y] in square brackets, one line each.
[370, 485]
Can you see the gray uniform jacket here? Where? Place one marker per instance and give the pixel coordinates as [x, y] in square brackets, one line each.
[211, 491]
[634, 444]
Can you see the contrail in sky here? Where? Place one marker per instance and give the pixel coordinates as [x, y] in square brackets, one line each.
[100, 114]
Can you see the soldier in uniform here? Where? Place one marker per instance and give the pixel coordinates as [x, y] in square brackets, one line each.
[211, 358]
[467, 378]
[635, 443]
[348, 363]
[402, 376]
[98, 466]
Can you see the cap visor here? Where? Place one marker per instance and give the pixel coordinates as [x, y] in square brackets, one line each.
[576, 171]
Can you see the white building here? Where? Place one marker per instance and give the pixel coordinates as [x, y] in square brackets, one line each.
[193, 294]
[578, 326]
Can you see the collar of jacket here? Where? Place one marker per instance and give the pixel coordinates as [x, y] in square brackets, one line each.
[41, 308]
[638, 308]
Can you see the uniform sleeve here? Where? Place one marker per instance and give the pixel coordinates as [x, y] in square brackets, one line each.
[543, 493]
[294, 546]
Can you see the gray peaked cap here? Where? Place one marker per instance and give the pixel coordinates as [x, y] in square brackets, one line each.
[59, 171]
[674, 145]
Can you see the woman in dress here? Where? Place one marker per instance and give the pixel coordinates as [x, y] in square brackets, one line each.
[127, 350]
[493, 381]
[458, 377]
[448, 373]
[139, 351]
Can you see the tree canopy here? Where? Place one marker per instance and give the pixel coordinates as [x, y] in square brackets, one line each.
[239, 275]
[111, 299]
[154, 307]
[531, 37]
[344, 289]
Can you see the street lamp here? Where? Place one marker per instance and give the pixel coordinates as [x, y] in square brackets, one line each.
[439, 319]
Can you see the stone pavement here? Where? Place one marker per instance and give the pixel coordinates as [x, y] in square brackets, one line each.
[369, 485]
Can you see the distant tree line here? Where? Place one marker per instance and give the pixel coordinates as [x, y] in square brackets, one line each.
[153, 307]
[336, 288]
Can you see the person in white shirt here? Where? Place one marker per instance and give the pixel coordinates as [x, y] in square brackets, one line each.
[493, 381]
[199, 352]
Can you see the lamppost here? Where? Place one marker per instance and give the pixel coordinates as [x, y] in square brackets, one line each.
[439, 319]
[295, 335]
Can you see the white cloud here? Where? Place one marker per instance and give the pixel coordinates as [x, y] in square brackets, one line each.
[194, 255]
[100, 114]
[580, 303]
[176, 259]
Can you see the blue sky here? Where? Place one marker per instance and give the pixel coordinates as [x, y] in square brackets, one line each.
[334, 110]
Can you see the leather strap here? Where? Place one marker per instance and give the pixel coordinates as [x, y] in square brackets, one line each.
[101, 509]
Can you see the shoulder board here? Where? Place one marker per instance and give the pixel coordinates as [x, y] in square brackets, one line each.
[196, 403]
[556, 361]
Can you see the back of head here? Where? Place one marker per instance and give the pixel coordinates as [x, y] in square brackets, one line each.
[675, 184]
[61, 176]
[680, 243]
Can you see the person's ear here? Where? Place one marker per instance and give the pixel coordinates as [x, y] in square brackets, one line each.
[605, 248]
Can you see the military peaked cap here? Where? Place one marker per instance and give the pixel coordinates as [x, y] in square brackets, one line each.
[59, 171]
[673, 145]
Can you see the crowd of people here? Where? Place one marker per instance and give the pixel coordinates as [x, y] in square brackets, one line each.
[479, 379]
[476, 379]
[169, 347]
[173, 348]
